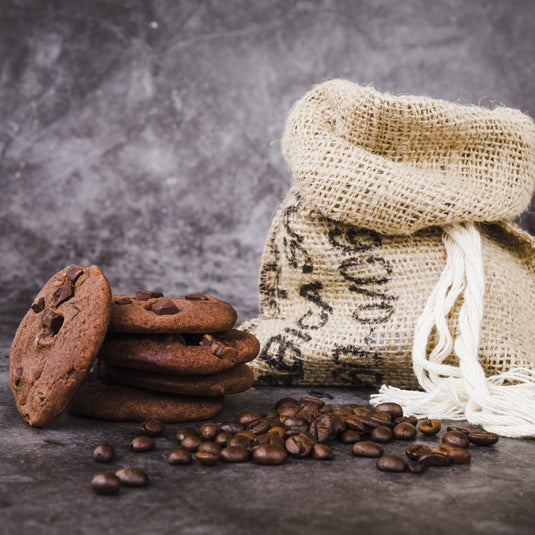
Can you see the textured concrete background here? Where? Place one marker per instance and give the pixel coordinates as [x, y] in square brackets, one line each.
[142, 136]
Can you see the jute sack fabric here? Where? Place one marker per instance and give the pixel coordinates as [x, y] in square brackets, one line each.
[357, 246]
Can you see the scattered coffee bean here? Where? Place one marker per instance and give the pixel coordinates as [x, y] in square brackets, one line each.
[106, 483]
[411, 419]
[429, 427]
[240, 440]
[457, 428]
[104, 453]
[393, 409]
[366, 448]
[391, 463]
[322, 452]
[434, 458]
[207, 458]
[208, 431]
[455, 438]
[209, 446]
[132, 477]
[349, 436]
[482, 438]
[382, 434]
[152, 428]
[235, 454]
[230, 427]
[269, 454]
[246, 417]
[416, 467]
[142, 443]
[183, 432]
[259, 426]
[459, 456]
[404, 431]
[286, 401]
[299, 446]
[415, 451]
[223, 438]
[180, 456]
[191, 442]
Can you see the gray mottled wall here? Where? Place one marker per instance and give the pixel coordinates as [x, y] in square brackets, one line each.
[142, 136]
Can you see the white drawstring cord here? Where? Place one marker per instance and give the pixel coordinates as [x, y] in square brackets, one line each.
[463, 392]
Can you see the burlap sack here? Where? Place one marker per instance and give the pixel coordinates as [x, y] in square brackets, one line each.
[356, 248]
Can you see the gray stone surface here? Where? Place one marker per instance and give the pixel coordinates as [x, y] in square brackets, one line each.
[142, 136]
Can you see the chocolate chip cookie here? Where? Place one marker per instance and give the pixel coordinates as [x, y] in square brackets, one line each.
[57, 341]
[231, 381]
[96, 399]
[152, 312]
[181, 354]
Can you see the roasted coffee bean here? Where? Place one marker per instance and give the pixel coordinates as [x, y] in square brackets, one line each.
[429, 427]
[393, 409]
[73, 272]
[416, 467]
[258, 426]
[104, 453]
[38, 305]
[132, 477]
[223, 438]
[145, 295]
[142, 443]
[307, 403]
[459, 456]
[183, 432]
[209, 446]
[326, 409]
[152, 428]
[482, 438]
[230, 427]
[164, 307]
[382, 434]
[245, 433]
[286, 401]
[322, 452]
[411, 419]
[288, 411]
[366, 448]
[207, 458]
[269, 454]
[51, 320]
[349, 436]
[246, 417]
[271, 414]
[208, 431]
[354, 422]
[404, 431]
[457, 428]
[180, 456]
[295, 423]
[106, 483]
[434, 458]
[382, 415]
[415, 451]
[191, 442]
[324, 428]
[371, 421]
[391, 463]
[456, 438]
[278, 430]
[63, 293]
[235, 454]
[359, 410]
[240, 440]
[309, 414]
[299, 446]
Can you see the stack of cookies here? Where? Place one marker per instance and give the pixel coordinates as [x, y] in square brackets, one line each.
[150, 356]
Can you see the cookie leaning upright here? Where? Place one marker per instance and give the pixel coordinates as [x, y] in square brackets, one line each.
[57, 341]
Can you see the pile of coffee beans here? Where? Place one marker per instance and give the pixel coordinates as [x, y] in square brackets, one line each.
[301, 429]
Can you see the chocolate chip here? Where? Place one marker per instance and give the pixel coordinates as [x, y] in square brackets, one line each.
[164, 307]
[17, 375]
[51, 320]
[63, 293]
[38, 305]
[196, 297]
[123, 301]
[73, 272]
[145, 295]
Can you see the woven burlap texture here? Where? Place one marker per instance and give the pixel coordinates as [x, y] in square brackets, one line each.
[355, 249]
